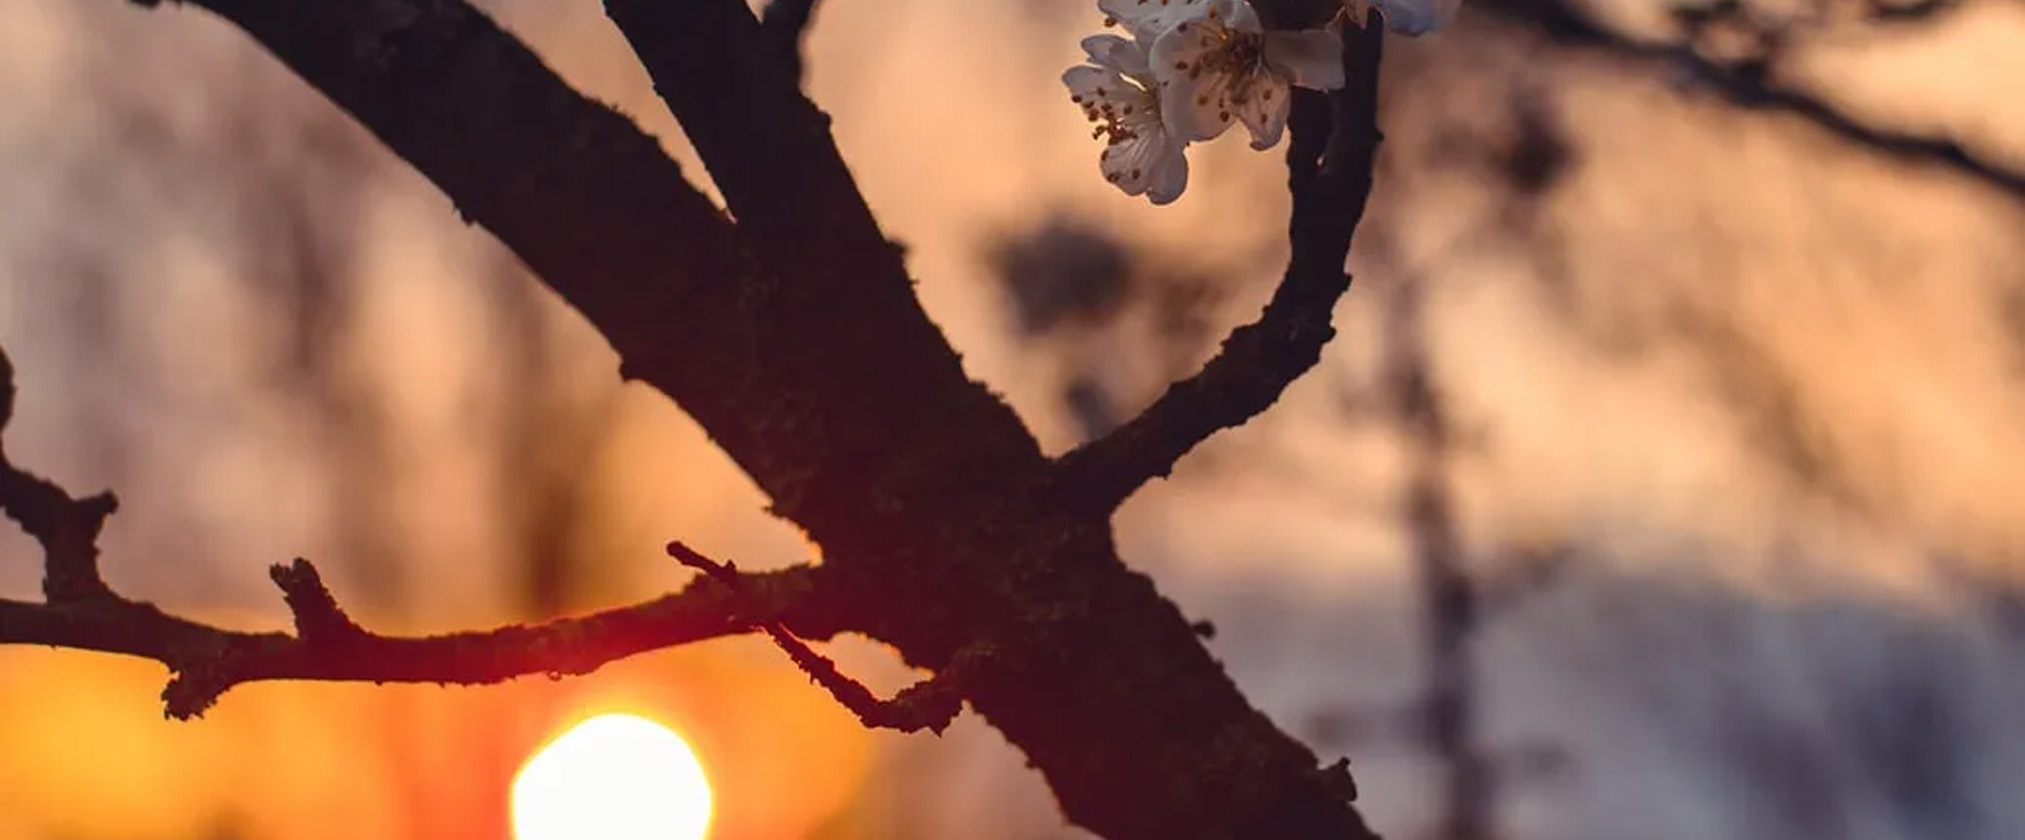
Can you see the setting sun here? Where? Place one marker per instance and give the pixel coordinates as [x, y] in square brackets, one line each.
[612, 777]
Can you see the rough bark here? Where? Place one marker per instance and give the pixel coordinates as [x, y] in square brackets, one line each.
[786, 324]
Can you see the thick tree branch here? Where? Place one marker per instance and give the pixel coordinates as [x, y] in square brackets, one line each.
[822, 335]
[1330, 178]
[82, 612]
[786, 23]
[1752, 86]
[572, 186]
[793, 337]
[848, 356]
[589, 201]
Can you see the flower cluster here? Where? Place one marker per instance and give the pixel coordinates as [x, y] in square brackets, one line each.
[1191, 68]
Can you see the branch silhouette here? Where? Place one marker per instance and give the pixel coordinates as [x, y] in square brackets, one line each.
[786, 24]
[81, 611]
[787, 326]
[1749, 84]
[1329, 175]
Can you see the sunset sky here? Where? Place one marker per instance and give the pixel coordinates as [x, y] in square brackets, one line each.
[1764, 383]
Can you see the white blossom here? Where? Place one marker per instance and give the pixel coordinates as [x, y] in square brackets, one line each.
[1192, 68]
[1146, 20]
[1117, 91]
[1216, 63]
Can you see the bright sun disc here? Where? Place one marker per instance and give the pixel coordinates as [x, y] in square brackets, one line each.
[613, 777]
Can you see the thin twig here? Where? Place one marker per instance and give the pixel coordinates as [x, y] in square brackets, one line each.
[1329, 174]
[82, 612]
[930, 704]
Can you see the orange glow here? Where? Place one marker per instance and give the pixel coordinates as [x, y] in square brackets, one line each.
[613, 777]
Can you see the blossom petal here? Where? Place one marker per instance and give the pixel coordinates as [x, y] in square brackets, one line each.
[1310, 58]
[1194, 101]
[1168, 178]
[1091, 86]
[1263, 109]
[1416, 17]
[1127, 12]
[1124, 56]
[1149, 164]
[1102, 92]
[1238, 15]
[1139, 156]
[1199, 109]
[1148, 19]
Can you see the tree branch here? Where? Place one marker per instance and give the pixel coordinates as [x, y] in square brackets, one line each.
[83, 613]
[66, 527]
[1330, 178]
[786, 24]
[822, 335]
[794, 338]
[849, 355]
[930, 704]
[585, 198]
[1751, 86]
[590, 201]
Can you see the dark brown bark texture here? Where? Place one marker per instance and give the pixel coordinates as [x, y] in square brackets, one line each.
[787, 325]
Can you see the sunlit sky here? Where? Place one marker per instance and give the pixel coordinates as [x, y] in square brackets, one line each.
[614, 776]
[136, 148]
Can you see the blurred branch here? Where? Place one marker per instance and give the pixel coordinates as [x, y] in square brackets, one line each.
[80, 611]
[1329, 174]
[1453, 615]
[786, 23]
[1765, 396]
[1521, 577]
[1749, 83]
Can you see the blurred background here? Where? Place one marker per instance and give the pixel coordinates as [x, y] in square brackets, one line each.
[1661, 484]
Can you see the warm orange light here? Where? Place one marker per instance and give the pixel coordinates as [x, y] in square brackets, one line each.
[613, 777]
